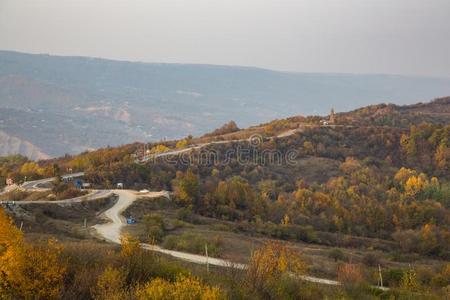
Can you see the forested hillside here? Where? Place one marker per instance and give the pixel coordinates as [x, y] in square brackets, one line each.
[377, 178]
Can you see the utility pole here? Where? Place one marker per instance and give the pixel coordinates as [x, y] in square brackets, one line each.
[380, 276]
[207, 262]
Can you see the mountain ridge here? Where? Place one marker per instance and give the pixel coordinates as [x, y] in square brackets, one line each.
[71, 104]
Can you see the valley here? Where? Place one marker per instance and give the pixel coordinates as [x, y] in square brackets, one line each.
[55, 105]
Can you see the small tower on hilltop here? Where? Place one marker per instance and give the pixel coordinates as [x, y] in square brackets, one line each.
[332, 117]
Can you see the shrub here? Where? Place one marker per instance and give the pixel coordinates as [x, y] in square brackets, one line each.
[110, 285]
[409, 281]
[337, 254]
[154, 226]
[185, 214]
[16, 195]
[141, 265]
[350, 274]
[392, 277]
[185, 287]
[193, 243]
[370, 260]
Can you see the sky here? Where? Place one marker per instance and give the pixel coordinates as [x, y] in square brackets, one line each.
[410, 37]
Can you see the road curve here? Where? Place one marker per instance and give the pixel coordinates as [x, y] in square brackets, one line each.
[92, 195]
[34, 185]
[111, 231]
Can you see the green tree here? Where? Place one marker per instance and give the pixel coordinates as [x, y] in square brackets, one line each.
[187, 188]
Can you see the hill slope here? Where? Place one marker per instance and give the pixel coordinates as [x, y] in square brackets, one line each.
[11, 145]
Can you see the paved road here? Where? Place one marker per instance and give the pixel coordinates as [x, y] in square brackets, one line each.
[92, 195]
[34, 185]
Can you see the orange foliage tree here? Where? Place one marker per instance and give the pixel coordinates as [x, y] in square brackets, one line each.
[28, 271]
[270, 263]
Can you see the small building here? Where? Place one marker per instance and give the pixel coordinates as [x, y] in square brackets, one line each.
[86, 185]
[119, 185]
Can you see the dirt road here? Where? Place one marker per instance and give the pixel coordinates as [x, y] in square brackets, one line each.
[111, 231]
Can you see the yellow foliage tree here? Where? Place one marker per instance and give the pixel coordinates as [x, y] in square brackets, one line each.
[110, 285]
[409, 281]
[415, 184]
[442, 157]
[285, 220]
[182, 144]
[130, 246]
[159, 149]
[350, 165]
[184, 288]
[11, 244]
[271, 262]
[44, 271]
[27, 271]
[31, 169]
[187, 187]
[403, 175]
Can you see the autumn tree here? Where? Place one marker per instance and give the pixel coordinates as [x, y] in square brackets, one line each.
[133, 258]
[31, 170]
[187, 187]
[181, 144]
[184, 288]
[28, 271]
[409, 281]
[271, 263]
[442, 157]
[110, 285]
[159, 149]
[11, 246]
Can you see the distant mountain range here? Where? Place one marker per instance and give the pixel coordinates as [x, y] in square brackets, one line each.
[52, 105]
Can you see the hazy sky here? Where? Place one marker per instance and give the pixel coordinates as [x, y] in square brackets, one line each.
[348, 36]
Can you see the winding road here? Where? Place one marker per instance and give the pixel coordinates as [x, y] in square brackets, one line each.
[111, 232]
[199, 146]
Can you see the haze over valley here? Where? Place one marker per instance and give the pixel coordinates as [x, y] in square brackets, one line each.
[53, 105]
